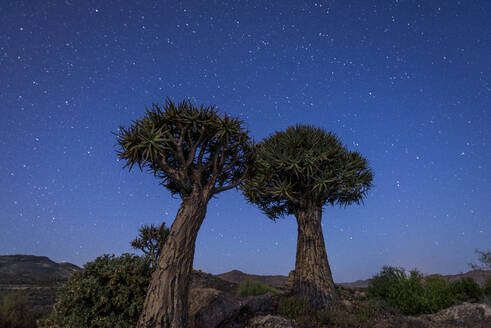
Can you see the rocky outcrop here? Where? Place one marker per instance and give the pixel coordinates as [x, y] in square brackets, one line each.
[211, 308]
[461, 312]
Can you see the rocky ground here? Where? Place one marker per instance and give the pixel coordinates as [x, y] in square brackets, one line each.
[213, 300]
[213, 304]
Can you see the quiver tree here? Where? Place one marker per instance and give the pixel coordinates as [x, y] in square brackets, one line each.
[150, 241]
[484, 259]
[297, 172]
[196, 153]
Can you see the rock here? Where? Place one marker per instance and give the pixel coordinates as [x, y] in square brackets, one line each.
[461, 312]
[269, 321]
[208, 307]
[347, 304]
[259, 305]
[404, 322]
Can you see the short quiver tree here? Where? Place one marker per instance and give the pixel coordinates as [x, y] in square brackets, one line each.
[297, 172]
[150, 241]
[196, 153]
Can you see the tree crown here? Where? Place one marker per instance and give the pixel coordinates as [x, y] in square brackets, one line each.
[150, 241]
[304, 166]
[189, 148]
[484, 259]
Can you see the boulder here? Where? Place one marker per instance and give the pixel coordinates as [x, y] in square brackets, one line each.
[269, 321]
[259, 305]
[211, 308]
[461, 312]
[404, 322]
[347, 304]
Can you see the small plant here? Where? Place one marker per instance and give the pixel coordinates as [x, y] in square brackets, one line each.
[409, 297]
[15, 311]
[357, 315]
[367, 310]
[484, 257]
[150, 241]
[437, 294]
[254, 288]
[393, 286]
[295, 307]
[466, 289]
[337, 315]
[382, 284]
[486, 287]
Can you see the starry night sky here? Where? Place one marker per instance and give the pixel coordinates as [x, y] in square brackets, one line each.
[406, 83]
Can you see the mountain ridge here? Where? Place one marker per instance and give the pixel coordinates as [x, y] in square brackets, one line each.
[32, 269]
[23, 269]
[278, 281]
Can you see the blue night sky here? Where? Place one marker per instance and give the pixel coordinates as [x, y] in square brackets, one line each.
[406, 83]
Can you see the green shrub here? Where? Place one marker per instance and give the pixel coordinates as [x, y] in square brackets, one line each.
[295, 307]
[108, 292]
[486, 288]
[438, 294]
[382, 285]
[393, 286]
[466, 289]
[15, 312]
[413, 294]
[253, 288]
[409, 297]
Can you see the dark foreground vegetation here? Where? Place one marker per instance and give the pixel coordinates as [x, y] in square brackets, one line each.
[100, 296]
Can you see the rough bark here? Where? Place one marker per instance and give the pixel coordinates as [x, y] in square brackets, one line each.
[312, 278]
[166, 303]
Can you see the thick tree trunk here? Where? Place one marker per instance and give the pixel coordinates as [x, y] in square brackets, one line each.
[166, 303]
[312, 278]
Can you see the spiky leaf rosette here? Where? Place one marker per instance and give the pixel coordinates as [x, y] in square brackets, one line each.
[301, 166]
[150, 241]
[189, 148]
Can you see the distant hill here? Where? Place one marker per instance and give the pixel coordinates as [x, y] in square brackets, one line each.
[36, 276]
[202, 279]
[478, 275]
[33, 270]
[278, 281]
[356, 284]
[237, 276]
[40, 270]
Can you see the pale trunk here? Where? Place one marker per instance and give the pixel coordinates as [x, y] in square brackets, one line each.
[312, 278]
[166, 303]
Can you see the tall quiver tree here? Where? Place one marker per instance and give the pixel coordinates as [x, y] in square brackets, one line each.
[297, 172]
[196, 153]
